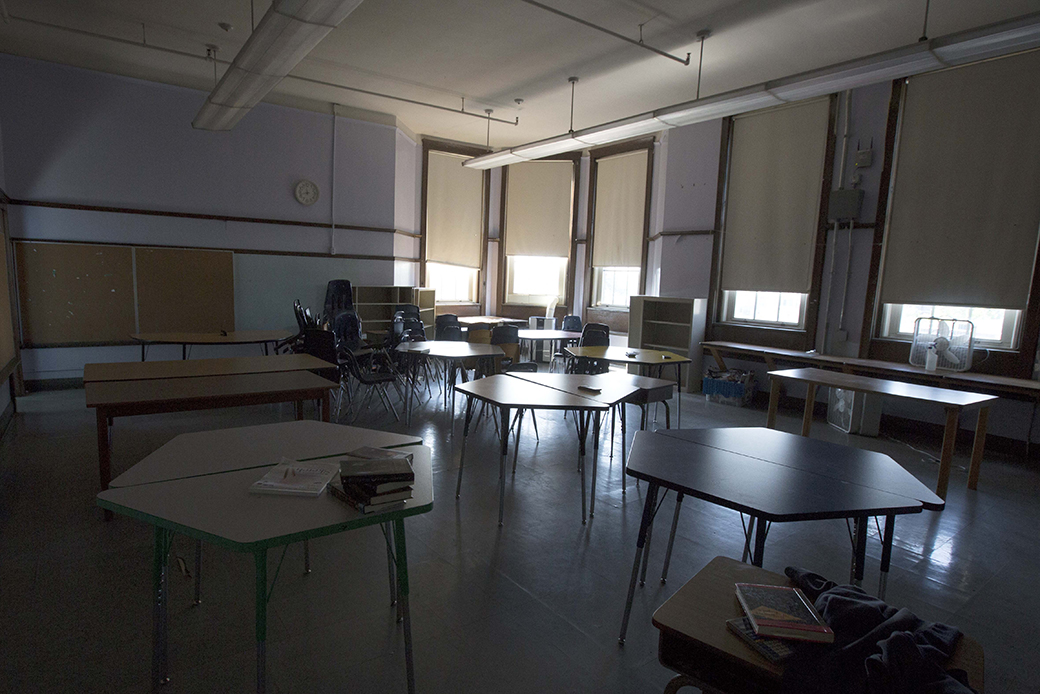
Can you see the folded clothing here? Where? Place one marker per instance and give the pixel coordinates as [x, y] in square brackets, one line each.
[877, 649]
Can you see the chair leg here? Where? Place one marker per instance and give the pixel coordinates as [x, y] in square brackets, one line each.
[391, 405]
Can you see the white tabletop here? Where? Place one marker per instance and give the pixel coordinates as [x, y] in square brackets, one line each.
[226, 450]
[220, 509]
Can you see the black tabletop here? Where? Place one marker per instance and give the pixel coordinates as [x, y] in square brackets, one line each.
[777, 476]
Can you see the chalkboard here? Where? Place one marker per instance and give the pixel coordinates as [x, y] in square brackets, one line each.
[74, 293]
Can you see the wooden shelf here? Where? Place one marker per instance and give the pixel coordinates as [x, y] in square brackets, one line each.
[375, 305]
[670, 324]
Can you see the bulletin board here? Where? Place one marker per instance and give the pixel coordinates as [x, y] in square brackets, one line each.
[185, 290]
[73, 294]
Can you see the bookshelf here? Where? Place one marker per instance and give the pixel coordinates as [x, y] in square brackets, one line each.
[675, 325]
[375, 306]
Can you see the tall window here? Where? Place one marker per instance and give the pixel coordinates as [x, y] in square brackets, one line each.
[964, 215]
[619, 227]
[773, 192]
[539, 207]
[454, 227]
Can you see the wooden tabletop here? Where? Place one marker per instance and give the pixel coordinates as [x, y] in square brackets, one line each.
[490, 320]
[226, 450]
[143, 370]
[235, 337]
[628, 355]
[219, 508]
[203, 389]
[867, 384]
[505, 390]
[548, 335]
[451, 349]
[791, 484]
[611, 390]
[693, 626]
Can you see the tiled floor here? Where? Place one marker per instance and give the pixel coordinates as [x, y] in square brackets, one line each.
[532, 607]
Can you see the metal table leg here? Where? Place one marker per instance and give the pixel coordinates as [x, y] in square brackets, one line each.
[160, 606]
[886, 554]
[595, 463]
[260, 559]
[760, 543]
[402, 601]
[859, 550]
[503, 454]
[671, 537]
[649, 507]
[465, 436]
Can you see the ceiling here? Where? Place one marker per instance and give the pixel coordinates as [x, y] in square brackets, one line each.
[490, 52]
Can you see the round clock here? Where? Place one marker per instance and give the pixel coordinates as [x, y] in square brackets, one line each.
[306, 192]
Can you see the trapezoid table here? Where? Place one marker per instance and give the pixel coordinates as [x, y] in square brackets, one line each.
[234, 337]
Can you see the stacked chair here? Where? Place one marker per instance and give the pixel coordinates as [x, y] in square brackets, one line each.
[571, 324]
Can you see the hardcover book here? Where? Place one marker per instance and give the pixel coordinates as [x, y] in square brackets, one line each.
[373, 467]
[782, 612]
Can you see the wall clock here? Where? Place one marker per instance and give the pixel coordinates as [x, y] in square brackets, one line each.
[306, 192]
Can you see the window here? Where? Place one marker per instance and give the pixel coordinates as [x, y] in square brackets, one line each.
[612, 287]
[779, 309]
[994, 327]
[535, 279]
[454, 284]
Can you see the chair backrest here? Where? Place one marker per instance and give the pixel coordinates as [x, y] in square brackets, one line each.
[446, 318]
[479, 326]
[413, 326]
[347, 329]
[505, 335]
[338, 298]
[571, 324]
[408, 309]
[595, 335]
[320, 344]
[448, 331]
[301, 323]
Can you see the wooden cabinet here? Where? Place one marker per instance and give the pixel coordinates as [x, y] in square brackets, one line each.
[675, 325]
[376, 305]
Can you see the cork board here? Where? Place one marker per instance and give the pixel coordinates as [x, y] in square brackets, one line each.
[7, 351]
[185, 290]
[74, 293]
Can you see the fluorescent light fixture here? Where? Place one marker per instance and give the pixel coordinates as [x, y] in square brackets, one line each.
[718, 106]
[880, 67]
[547, 148]
[285, 35]
[989, 41]
[493, 160]
[620, 130]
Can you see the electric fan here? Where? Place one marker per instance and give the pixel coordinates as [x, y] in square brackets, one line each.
[943, 344]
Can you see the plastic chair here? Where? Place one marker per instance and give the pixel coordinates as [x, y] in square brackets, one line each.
[508, 338]
[523, 367]
[451, 331]
[347, 329]
[593, 335]
[571, 324]
[408, 309]
[375, 380]
[443, 321]
[338, 298]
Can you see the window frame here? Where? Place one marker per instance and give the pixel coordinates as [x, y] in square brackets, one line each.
[597, 279]
[541, 300]
[616, 318]
[1016, 363]
[728, 309]
[1010, 331]
[428, 145]
[511, 309]
[770, 335]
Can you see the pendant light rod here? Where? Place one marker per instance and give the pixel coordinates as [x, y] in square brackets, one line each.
[573, 81]
[702, 34]
[616, 35]
[489, 111]
[924, 29]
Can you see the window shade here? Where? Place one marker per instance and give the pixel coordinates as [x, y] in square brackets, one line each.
[539, 197]
[619, 216]
[773, 197]
[454, 210]
[965, 205]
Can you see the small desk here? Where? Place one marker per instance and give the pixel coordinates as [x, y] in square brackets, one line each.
[451, 351]
[550, 336]
[235, 337]
[952, 401]
[746, 469]
[696, 642]
[113, 399]
[491, 320]
[218, 508]
[144, 370]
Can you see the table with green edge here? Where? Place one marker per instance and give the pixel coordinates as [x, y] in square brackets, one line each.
[215, 506]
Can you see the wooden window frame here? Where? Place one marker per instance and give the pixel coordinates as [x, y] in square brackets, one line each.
[511, 310]
[1016, 363]
[616, 318]
[801, 339]
[432, 145]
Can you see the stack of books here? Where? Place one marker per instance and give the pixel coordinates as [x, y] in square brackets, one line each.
[374, 479]
[775, 615]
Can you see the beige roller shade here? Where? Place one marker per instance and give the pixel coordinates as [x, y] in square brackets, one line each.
[965, 207]
[618, 221]
[539, 199]
[773, 197]
[454, 210]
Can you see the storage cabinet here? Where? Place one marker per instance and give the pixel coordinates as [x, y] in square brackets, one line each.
[675, 325]
[375, 306]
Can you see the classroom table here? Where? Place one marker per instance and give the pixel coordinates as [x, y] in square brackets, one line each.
[491, 320]
[218, 508]
[652, 360]
[774, 477]
[144, 370]
[512, 391]
[952, 401]
[112, 399]
[452, 352]
[696, 643]
[234, 337]
[550, 336]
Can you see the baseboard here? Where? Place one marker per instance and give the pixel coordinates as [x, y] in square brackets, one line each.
[41, 385]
